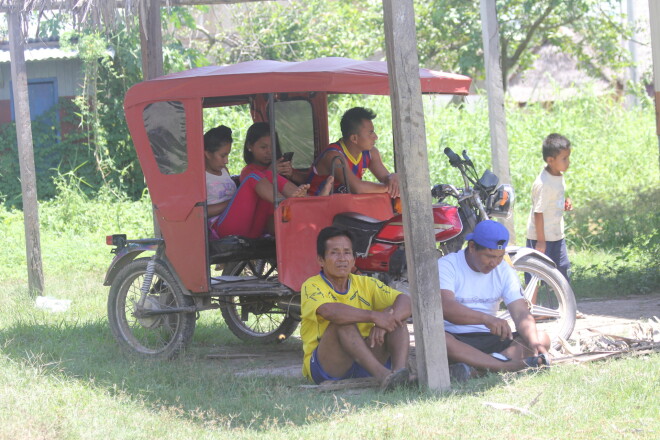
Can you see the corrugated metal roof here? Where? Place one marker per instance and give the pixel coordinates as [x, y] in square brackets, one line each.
[41, 54]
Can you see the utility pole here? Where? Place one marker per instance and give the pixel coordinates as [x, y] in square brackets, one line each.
[410, 136]
[25, 153]
[499, 142]
[654, 21]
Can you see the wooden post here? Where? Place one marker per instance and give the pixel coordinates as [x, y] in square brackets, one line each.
[410, 136]
[25, 153]
[499, 143]
[151, 45]
[654, 21]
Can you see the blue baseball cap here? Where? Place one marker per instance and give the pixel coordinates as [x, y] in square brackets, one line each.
[490, 234]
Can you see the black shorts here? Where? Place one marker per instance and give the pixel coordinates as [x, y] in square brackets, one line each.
[482, 341]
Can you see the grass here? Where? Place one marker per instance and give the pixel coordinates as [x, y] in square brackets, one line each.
[62, 375]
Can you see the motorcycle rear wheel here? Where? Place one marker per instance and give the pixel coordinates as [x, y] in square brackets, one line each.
[252, 318]
[550, 297]
[161, 336]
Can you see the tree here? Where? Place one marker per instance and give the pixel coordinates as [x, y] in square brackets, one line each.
[449, 34]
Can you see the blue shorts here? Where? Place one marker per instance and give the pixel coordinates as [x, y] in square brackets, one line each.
[557, 252]
[319, 375]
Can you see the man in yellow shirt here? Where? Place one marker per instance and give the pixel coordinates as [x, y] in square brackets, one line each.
[352, 326]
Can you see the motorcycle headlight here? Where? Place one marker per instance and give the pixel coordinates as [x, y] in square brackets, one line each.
[502, 204]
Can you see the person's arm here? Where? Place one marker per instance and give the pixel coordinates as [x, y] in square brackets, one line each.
[401, 310]
[540, 232]
[342, 314]
[378, 169]
[216, 208]
[526, 325]
[358, 186]
[459, 314]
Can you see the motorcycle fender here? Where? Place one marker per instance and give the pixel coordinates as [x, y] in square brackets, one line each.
[515, 253]
[123, 257]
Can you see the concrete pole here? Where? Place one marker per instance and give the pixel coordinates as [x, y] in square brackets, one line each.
[499, 142]
[25, 153]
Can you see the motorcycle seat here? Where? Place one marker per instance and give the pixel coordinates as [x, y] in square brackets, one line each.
[363, 228]
[237, 248]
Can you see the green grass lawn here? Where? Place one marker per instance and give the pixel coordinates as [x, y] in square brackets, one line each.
[62, 376]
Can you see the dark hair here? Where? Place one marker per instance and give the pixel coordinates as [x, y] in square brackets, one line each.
[216, 137]
[553, 144]
[254, 133]
[331, 232]
[352, 120]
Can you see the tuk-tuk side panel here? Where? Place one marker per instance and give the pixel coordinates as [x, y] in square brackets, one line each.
[296, 238]
[178, 197]
[177, 193]
[185, 248]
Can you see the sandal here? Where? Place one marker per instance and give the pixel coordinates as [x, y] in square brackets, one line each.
[395, 379]
[540, 361]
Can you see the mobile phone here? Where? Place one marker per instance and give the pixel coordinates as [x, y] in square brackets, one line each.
[287, 156]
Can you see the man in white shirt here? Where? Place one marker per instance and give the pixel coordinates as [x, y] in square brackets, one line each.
[472, 284]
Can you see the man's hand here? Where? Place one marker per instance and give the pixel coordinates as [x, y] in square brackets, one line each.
[386, 320]
[538, 348]
[498, 327]
[568, 204]
[393, 185]
[376, 337]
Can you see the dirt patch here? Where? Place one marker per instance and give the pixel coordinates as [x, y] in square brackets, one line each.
[612, 316]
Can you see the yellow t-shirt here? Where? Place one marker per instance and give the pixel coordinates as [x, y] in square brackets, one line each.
[364, 293]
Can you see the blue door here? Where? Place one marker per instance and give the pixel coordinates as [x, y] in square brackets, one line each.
[42, 94]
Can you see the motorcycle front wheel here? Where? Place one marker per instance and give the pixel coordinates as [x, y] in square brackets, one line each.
[550, 297]
[254, 318]
[131, 315]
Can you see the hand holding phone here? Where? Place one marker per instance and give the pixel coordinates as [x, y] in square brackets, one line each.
[286, 157]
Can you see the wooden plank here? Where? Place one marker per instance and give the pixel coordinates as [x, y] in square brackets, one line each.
[499, 142]
[410, 136]
[25, 154]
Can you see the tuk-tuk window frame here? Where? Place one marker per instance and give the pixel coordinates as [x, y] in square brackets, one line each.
[291, 139]
[165, 125]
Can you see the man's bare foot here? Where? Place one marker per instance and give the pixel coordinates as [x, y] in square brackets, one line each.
[326, 188]
[301, 191]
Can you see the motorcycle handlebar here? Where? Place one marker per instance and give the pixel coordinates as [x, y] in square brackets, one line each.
[454, 159]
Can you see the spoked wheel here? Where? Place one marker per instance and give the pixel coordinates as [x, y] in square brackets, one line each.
[131, 314]
[550, 297]
[255, 318]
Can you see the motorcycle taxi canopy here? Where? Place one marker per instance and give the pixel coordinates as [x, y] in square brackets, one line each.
[165, 119]
[331, 75]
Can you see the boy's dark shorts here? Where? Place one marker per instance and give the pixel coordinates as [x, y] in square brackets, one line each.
[485, 342]
[557, 252]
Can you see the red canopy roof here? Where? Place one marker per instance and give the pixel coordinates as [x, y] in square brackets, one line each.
[332, 75]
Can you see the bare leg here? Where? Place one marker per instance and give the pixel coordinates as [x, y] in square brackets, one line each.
[519, 350]
[343, 344]
[398, 345]
[458, 351]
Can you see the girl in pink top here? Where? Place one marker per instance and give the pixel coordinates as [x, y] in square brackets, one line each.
[249, 209]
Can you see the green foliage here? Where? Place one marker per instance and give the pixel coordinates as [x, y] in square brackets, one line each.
[295, 30]
[449, 34]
